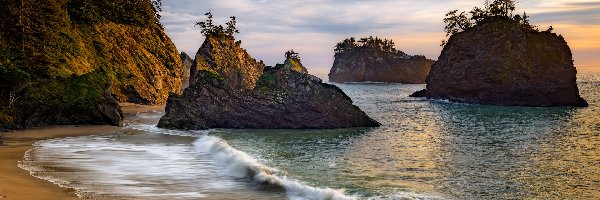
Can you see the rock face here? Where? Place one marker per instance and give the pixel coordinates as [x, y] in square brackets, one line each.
[72, 61]
[500, 63]
[374, 64]
[229, 89]
[295, 64]
[283, 99]
[224, 56]
[187, 66]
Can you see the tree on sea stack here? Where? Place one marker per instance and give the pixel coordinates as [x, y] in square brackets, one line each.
[208, 28]
[499, 9]
[230, 89]
[495, 57]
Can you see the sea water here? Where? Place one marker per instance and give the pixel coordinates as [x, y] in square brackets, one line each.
[426, 149]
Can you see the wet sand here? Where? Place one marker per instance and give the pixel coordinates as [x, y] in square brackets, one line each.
[17, 184]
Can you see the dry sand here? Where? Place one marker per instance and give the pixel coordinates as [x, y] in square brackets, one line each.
[17, 184]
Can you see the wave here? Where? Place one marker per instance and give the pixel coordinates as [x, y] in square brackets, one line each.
[238, 164]
[39, 172]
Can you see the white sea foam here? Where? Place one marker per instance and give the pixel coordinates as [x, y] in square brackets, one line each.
[241, 165]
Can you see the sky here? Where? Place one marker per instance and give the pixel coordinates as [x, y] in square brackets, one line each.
[268, 28]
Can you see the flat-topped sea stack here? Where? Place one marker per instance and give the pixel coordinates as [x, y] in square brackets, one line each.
[282, 97]
[505, 61]
[375, 60]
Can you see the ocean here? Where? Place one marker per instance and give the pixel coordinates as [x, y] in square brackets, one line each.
[426, 149]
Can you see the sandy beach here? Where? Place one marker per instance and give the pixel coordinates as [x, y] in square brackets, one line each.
[17, 184]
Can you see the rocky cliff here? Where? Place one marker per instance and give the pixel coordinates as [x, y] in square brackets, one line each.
[187, 66]
[377, 61]
[501, 63]
[70, 62]
[283, 99]
[284, 96]
[224, 56]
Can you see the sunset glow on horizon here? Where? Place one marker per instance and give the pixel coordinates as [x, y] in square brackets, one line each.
[268, 28]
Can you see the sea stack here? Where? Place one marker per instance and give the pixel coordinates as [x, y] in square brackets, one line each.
[246, 96]
[376, 60]
[503, 60]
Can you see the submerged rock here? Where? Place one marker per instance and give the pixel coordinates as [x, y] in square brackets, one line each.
[501, 63]
[377, 60]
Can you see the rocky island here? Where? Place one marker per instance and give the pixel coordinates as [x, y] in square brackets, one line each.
[376, 60]
[72, 62]
[497, 58]
[230, 89]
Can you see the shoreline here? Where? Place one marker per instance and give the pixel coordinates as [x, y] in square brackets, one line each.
[18, 184]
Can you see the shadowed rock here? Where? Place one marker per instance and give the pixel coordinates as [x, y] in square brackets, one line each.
[185, 74]
[501, 63]
[283, 98]
[377, 60]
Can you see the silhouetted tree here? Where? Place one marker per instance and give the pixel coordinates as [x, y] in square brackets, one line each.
[501, 8]
[157, 4]
[457, 22]
[231, 29]
[368, 42]
[291, 54]
[208, 28]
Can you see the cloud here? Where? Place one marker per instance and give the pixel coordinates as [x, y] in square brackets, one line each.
[269, 28]
[589, 16]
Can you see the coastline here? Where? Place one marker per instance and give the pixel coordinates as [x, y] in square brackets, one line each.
[18, 184]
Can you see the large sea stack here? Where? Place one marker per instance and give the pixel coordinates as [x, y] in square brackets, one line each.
[280, 97]
[375, 60]
[72, 61]
[505, 61]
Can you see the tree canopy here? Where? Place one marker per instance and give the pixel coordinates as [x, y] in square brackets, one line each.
[371, 42]
[498, 9]
[291, 54]
[208, 27]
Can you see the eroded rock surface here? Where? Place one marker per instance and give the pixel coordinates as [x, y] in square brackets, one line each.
[500, 63]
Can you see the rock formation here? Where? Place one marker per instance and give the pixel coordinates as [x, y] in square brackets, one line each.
[224, 56]
[187, 66]
[70, 62]
[292, 62]
[295, 64]
[499, 62]
[375, 60]
[282, 97]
